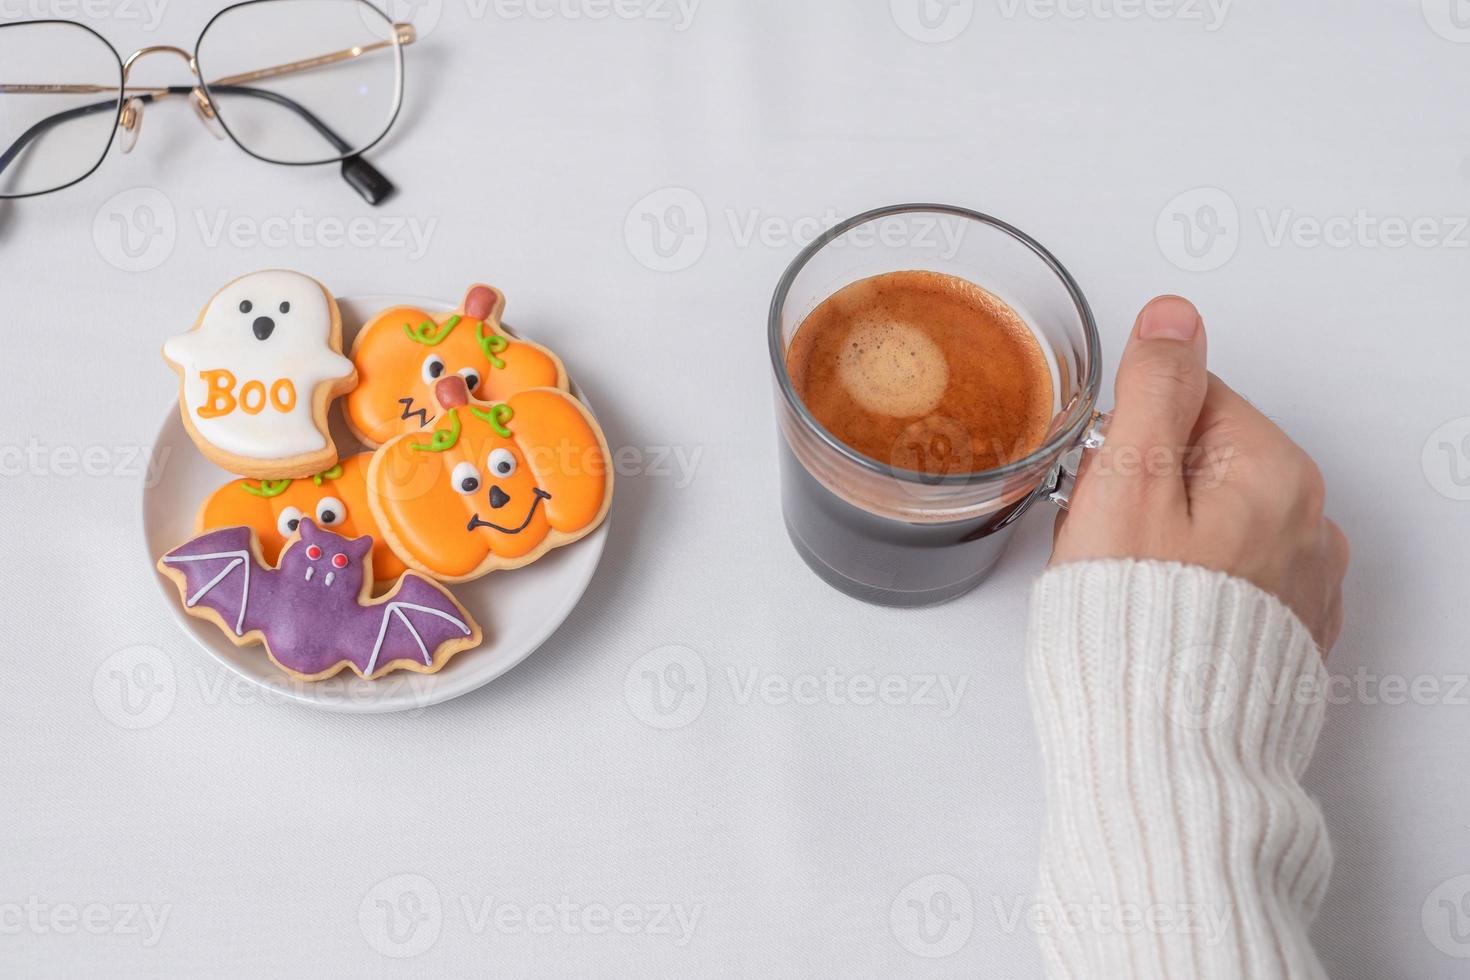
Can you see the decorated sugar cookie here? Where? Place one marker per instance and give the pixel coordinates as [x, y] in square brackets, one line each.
[403, 352]
[493, 486]
[336, 499]
[313, 612]
[258, 372]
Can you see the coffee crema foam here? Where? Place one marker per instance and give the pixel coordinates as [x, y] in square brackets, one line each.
[924, 371]
[892, 368]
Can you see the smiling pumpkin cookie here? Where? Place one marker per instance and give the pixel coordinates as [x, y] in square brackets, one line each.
[403, 352]
[493, 486]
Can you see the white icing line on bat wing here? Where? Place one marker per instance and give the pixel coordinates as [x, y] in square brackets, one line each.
[398, 607]
[414, 633]
[240, 558]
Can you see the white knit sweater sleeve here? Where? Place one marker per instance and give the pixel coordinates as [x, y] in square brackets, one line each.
[1177, 709]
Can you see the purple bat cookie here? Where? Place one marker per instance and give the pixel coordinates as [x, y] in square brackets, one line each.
[313, 611]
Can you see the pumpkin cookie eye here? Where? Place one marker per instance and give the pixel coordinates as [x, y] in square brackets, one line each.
[465, 478]
[330, 512]
[502, 462]
[433, 368]
[471, 378]
[289, 521]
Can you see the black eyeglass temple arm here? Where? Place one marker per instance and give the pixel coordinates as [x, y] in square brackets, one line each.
[362, 176]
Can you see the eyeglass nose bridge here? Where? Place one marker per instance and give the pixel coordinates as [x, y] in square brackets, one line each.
[130, 121]
[159, 49]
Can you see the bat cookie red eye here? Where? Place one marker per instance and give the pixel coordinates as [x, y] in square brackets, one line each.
[313, 552]
[339, 560]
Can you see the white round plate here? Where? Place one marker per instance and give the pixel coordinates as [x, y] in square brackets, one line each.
[517, 609]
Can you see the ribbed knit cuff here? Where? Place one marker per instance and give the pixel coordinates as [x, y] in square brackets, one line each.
[1177, 709]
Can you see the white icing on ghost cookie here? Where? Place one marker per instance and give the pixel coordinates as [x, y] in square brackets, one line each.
[258, 372]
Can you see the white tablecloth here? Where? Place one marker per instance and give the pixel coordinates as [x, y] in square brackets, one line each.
[829, 789]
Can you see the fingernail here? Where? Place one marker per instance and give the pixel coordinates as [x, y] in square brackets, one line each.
[1169, 318]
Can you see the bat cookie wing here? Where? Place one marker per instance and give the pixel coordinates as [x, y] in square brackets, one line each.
[419, 622]
[214, 570]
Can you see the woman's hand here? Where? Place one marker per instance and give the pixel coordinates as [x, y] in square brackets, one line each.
[1192, 473]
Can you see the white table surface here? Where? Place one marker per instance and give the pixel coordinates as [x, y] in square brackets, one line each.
[545, 826]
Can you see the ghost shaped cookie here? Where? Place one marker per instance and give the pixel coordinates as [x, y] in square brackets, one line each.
[259, 371]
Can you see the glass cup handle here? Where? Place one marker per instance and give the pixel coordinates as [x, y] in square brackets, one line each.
[1064, 477]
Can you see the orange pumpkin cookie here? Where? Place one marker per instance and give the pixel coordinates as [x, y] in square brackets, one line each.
[336, 500]
[403, 352]
[494, 486]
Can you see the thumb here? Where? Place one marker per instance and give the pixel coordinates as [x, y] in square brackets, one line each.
[1162, 382]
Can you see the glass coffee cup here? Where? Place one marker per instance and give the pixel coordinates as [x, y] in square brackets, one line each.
[895, 536]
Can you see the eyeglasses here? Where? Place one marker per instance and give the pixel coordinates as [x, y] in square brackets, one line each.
[294, 82]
